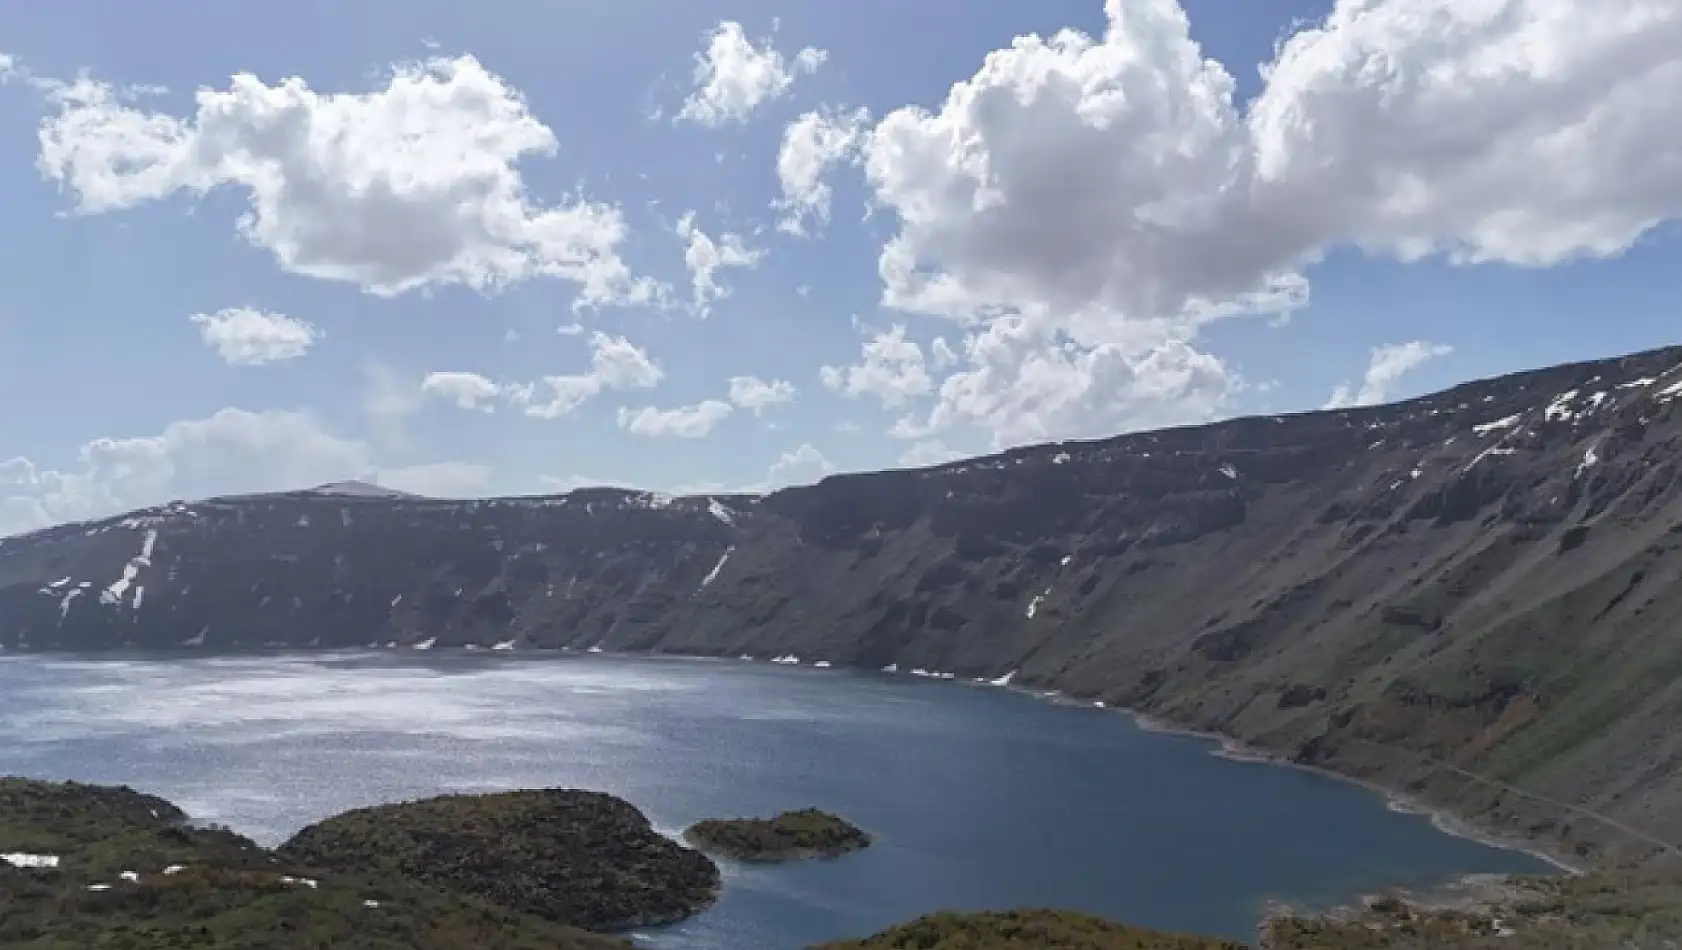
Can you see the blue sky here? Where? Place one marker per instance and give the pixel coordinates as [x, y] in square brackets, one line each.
[1120, 229]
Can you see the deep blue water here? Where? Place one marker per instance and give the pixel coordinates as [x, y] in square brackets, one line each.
[980, 798]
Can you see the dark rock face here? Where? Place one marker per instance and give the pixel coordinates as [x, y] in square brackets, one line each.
[1481, 581]
[579, 858]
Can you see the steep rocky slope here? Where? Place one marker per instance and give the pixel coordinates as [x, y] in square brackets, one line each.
[1472, 596]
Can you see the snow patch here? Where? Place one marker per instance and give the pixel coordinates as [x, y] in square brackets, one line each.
[1499, 424]
[1061, 458]
[821, 664]
[1591, 458]
[719, 511]
[29, 861]
[130, 876]
[1492, 450]
[113, 595]
[891, 668]
[789, 660]
[1034, 605]
[712, 575]
[504, 646]
[1560, 408]
[1004, 680]
[1229, 471]
[426, 644]
[139, 596]
[197, 640]
[55, 585]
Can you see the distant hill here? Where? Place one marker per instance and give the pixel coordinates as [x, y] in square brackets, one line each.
[1474, 596]
[359, 489]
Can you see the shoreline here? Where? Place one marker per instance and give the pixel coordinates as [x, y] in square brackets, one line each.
[1441, 818]
[1227, 747]
[1236, 750]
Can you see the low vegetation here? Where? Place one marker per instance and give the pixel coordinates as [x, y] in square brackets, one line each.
[113, 868]
[580, 858]
[1025, 930]
[1626, 910]
[792, 835]
[207, 908]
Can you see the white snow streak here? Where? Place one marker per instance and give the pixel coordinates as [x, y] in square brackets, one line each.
[20, 860]
[1506, 423]
[712, 575]
[113, 595]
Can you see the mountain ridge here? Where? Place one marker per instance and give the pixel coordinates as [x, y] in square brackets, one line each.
[1478, 582]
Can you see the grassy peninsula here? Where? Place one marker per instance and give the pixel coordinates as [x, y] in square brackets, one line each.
[87, 866]
[580, 858]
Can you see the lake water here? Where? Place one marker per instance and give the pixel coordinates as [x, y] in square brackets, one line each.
[980, 798]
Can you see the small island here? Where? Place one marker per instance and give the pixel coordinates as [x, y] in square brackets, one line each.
[791, 836]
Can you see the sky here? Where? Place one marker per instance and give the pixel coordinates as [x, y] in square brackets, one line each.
[516, 247]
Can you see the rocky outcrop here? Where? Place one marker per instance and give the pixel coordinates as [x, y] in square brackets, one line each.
[1472, 596]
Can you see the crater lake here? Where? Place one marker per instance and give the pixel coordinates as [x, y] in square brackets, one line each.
[978, 797]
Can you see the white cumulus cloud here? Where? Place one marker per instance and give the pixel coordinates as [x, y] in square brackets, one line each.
[467, 390]
[1084, 205]
[705, 257]
[1386, 365]
[231, 451]
[452, 479]
[410, 186]
[757, 395]
[616, 364]
[892, 370]
[802, 465]
[734, 76]
[811, 145]
[930, 452]
[243, 336]
[683, 422]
